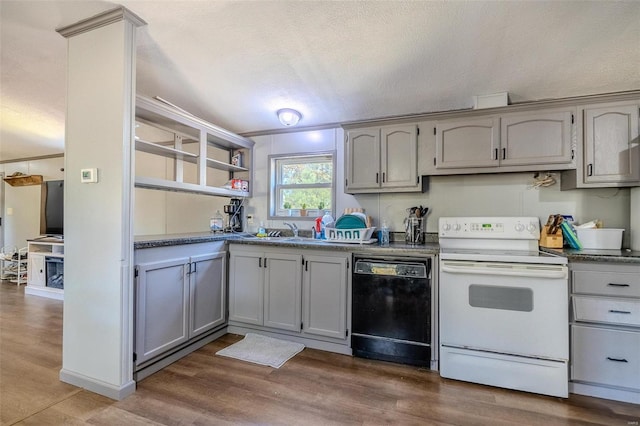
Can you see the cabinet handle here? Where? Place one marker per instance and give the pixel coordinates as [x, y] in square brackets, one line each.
[589, 169]
[377, 178]
[504, 153]
[384, 177]
[195, 267]
[265, 262]
[496, 153]
[615, 311]
[618, 285]
[617, 359]
[306, 265]
[259, 262]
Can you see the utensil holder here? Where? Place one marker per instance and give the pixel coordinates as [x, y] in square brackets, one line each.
[414, 230]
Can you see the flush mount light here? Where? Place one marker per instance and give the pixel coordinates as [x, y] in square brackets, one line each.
[289, 117]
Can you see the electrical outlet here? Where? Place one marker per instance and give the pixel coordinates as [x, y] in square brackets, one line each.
[249, 219]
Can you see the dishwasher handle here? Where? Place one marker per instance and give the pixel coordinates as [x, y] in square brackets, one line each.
[394, 269]
[505, 269]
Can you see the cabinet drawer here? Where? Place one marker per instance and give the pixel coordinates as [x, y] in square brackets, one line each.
[606, 283]
[607, 310]
[603, 356]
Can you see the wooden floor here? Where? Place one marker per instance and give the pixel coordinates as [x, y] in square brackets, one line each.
[313, 388]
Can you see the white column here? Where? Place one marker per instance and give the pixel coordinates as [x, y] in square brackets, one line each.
[635, 218]
[98, 295]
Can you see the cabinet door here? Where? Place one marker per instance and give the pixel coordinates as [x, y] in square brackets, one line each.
[542, 138]
[612, 149]
[325, 296]
[162, 301]
[206, 292]
[283, 274]
[399, 156]
[467, 143]
[246, 278]
[36, 275]
[363, 159]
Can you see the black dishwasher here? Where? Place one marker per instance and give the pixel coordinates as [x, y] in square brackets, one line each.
[391, 310]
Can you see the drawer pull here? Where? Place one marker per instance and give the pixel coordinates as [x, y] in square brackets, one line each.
[618, 285]
[614, 311]
[617, 359]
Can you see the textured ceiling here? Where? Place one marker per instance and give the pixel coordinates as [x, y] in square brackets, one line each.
[235, 63]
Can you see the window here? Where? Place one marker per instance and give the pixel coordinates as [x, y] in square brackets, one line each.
[301, 185]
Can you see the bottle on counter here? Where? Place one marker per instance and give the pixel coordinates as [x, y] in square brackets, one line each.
[262, 232]
[383, 234]
[216, 223]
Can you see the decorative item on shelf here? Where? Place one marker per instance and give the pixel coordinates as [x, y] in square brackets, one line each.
[303, 210]
[21, 179]
[239, 184]
[289, 117]
[236, 159]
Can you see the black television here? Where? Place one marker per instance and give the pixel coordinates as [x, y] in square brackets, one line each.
[52, 208]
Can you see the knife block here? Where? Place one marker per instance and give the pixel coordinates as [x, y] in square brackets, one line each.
[551, 240]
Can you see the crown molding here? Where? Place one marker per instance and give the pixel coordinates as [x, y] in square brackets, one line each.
[100, 20]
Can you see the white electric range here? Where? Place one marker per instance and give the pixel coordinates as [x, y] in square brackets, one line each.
[503, 305]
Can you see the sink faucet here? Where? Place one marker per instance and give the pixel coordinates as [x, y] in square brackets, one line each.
[293, 227]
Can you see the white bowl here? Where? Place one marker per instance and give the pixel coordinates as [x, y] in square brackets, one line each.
[600, 238]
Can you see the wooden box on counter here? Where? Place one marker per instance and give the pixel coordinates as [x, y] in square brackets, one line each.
[551, 240]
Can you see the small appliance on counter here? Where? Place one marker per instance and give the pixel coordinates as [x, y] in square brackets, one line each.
[234, 210]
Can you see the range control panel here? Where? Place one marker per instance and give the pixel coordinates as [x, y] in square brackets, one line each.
[489, 227]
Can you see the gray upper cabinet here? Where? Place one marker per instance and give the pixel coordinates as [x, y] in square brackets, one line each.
[611, 146]
[466, 143]
[610, 154]
[522, 141]
[363, 159]
[382, 159]
[536, 138]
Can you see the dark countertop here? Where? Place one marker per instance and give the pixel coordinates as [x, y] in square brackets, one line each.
[396, 248]
[591, 255]
[150, 241]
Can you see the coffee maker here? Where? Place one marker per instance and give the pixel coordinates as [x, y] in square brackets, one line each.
[234, 210]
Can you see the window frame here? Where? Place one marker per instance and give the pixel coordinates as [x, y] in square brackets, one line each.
[274, 186]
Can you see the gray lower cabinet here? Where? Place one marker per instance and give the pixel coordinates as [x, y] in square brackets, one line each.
[605, 330]
[178, 298]
[281, 290]
[324, 296]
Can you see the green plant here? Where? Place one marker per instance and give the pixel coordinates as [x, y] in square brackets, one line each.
[304, 206]
[321, 205]
[286, 205]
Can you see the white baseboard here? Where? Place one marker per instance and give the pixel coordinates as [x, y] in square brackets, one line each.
[106, 389]
[51, 293]
[605, 392]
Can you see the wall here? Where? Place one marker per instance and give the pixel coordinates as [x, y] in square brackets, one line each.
[288, 143]
[635, 219]
[506, 194]
[24, 201]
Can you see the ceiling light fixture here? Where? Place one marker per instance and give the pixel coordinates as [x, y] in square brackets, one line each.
[289, 117]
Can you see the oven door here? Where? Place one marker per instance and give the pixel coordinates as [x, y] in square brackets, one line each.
[509, 308]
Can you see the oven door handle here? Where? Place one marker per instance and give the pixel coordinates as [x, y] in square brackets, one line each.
[501, 269]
